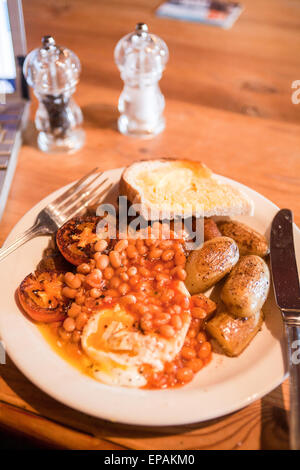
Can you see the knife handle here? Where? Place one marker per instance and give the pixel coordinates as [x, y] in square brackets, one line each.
[293, 335]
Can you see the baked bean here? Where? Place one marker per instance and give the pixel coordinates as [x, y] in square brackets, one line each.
[141, 308]
[204, 350]
[161, 277]
[139, 243]
[107, 299]
[198, 312]
[76, 336]
[112, 293]
[65, 335]
[149, 242]
[142, 285]
[180, 259]
[101, 245]
[115, 282]
[124, 277]
[95, 293]
[132, 252]
[167, 331]
[132, 271]
[169, 265]
[162, 319]
[185, 374]
[155, 253]
[170, 368]
[192, 333]
[195, 364]
[167, 255]
[147, 316]
[180, 273]
[79, 298]
[155, 309]
[114, 258]
[141, 247]
[81, 321]
[146, 325]
[108, 273]
[128, 299]
[81, 277]
[144, 271]
[188, 353]
[167, 296]
[121, 269]
[177, 309]
[124, 288]
[69, 324]
[83, 268]
[159, 267]
[74, 310]
[72, 280]
[142, 261]
[201, 337]
[165, 244]
[69, 293]
[102, 262]
[121, 245]
[134, 280]
[94, 279]
[176, 322]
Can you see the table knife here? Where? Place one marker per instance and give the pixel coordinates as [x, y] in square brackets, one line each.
[287, 294]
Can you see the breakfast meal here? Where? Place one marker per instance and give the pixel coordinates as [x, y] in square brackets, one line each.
[135, 310]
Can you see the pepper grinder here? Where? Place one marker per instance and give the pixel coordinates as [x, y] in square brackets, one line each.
[141, 58]
[53, 72]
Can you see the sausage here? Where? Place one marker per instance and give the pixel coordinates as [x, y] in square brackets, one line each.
[211, 229]
[248, 240]
[232, 333]
[246, 289]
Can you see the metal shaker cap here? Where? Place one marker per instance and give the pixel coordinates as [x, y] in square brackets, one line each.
[141, 53]
[51, 69]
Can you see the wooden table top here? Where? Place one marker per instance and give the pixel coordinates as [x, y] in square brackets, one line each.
[228, 103]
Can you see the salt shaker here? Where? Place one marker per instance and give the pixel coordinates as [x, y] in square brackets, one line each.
[141, 58]
[53, 72]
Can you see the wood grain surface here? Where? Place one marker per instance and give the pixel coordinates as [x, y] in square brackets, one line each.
[228, 103]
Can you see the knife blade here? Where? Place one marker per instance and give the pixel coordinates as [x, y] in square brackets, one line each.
[283, 262]
[287, 294]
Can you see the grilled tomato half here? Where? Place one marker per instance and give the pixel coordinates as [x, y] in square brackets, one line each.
[76, 239]
[40, 295]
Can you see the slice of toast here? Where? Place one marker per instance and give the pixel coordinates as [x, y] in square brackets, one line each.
[180, 188]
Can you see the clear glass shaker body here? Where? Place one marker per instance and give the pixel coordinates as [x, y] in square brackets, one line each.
[141, 58]
[53, 73]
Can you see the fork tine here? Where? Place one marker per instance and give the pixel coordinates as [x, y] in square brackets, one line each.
[74, 186]
[85, 201]
[93, 201]
[84, 189]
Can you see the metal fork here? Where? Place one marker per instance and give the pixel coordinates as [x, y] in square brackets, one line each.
[72, 202]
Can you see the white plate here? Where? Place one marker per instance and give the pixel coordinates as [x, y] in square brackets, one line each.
[225, 385]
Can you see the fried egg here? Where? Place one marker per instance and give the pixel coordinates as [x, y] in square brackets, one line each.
[119, 350]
